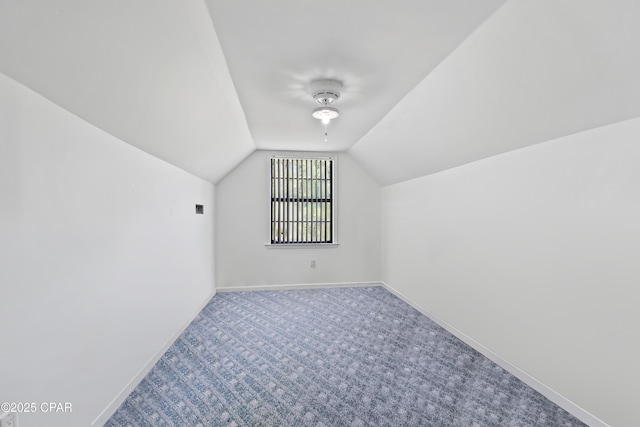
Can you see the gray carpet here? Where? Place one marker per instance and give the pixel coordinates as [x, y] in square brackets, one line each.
[327, 357]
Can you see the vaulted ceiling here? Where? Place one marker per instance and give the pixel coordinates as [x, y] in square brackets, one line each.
[428, 84]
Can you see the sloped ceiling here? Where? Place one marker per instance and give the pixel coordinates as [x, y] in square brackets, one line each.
[535, 71]
[428, 85]
[379, 50]
[149, 72]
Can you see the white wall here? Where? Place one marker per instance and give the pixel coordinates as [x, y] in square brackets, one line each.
[102, 259]
[535, 255]
[242, 221]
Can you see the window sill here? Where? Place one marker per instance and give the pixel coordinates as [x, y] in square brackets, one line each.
[301, 245]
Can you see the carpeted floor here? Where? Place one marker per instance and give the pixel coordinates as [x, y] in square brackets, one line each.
[327, 357]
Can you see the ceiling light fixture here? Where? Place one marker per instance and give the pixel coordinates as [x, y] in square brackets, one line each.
[325, 114]
[325, 92]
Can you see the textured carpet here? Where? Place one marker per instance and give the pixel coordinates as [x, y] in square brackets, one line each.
[327, 357]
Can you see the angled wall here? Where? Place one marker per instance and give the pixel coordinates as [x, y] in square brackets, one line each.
[102, 259]
[534, 254]
[242, 231]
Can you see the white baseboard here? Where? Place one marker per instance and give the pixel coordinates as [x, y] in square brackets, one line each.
[566, 404]
[126, 391]
[298, 286]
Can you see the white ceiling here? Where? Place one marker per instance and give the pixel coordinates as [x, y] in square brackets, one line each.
[428, 84]
[150, 72]
[380, 50]
[535, 71]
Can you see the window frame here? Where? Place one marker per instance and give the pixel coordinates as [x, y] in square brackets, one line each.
[302, 155]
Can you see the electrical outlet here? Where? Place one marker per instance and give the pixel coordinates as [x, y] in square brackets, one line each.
[8, 419]
[313, 263]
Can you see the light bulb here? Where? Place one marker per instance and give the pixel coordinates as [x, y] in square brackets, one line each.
[326, 120]
[325, 114]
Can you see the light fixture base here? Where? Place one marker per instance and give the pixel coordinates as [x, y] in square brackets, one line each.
[325, 91]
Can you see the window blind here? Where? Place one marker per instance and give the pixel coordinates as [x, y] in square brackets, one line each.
[301, 200]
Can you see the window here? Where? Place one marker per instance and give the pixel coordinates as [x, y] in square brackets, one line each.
[302, 205]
